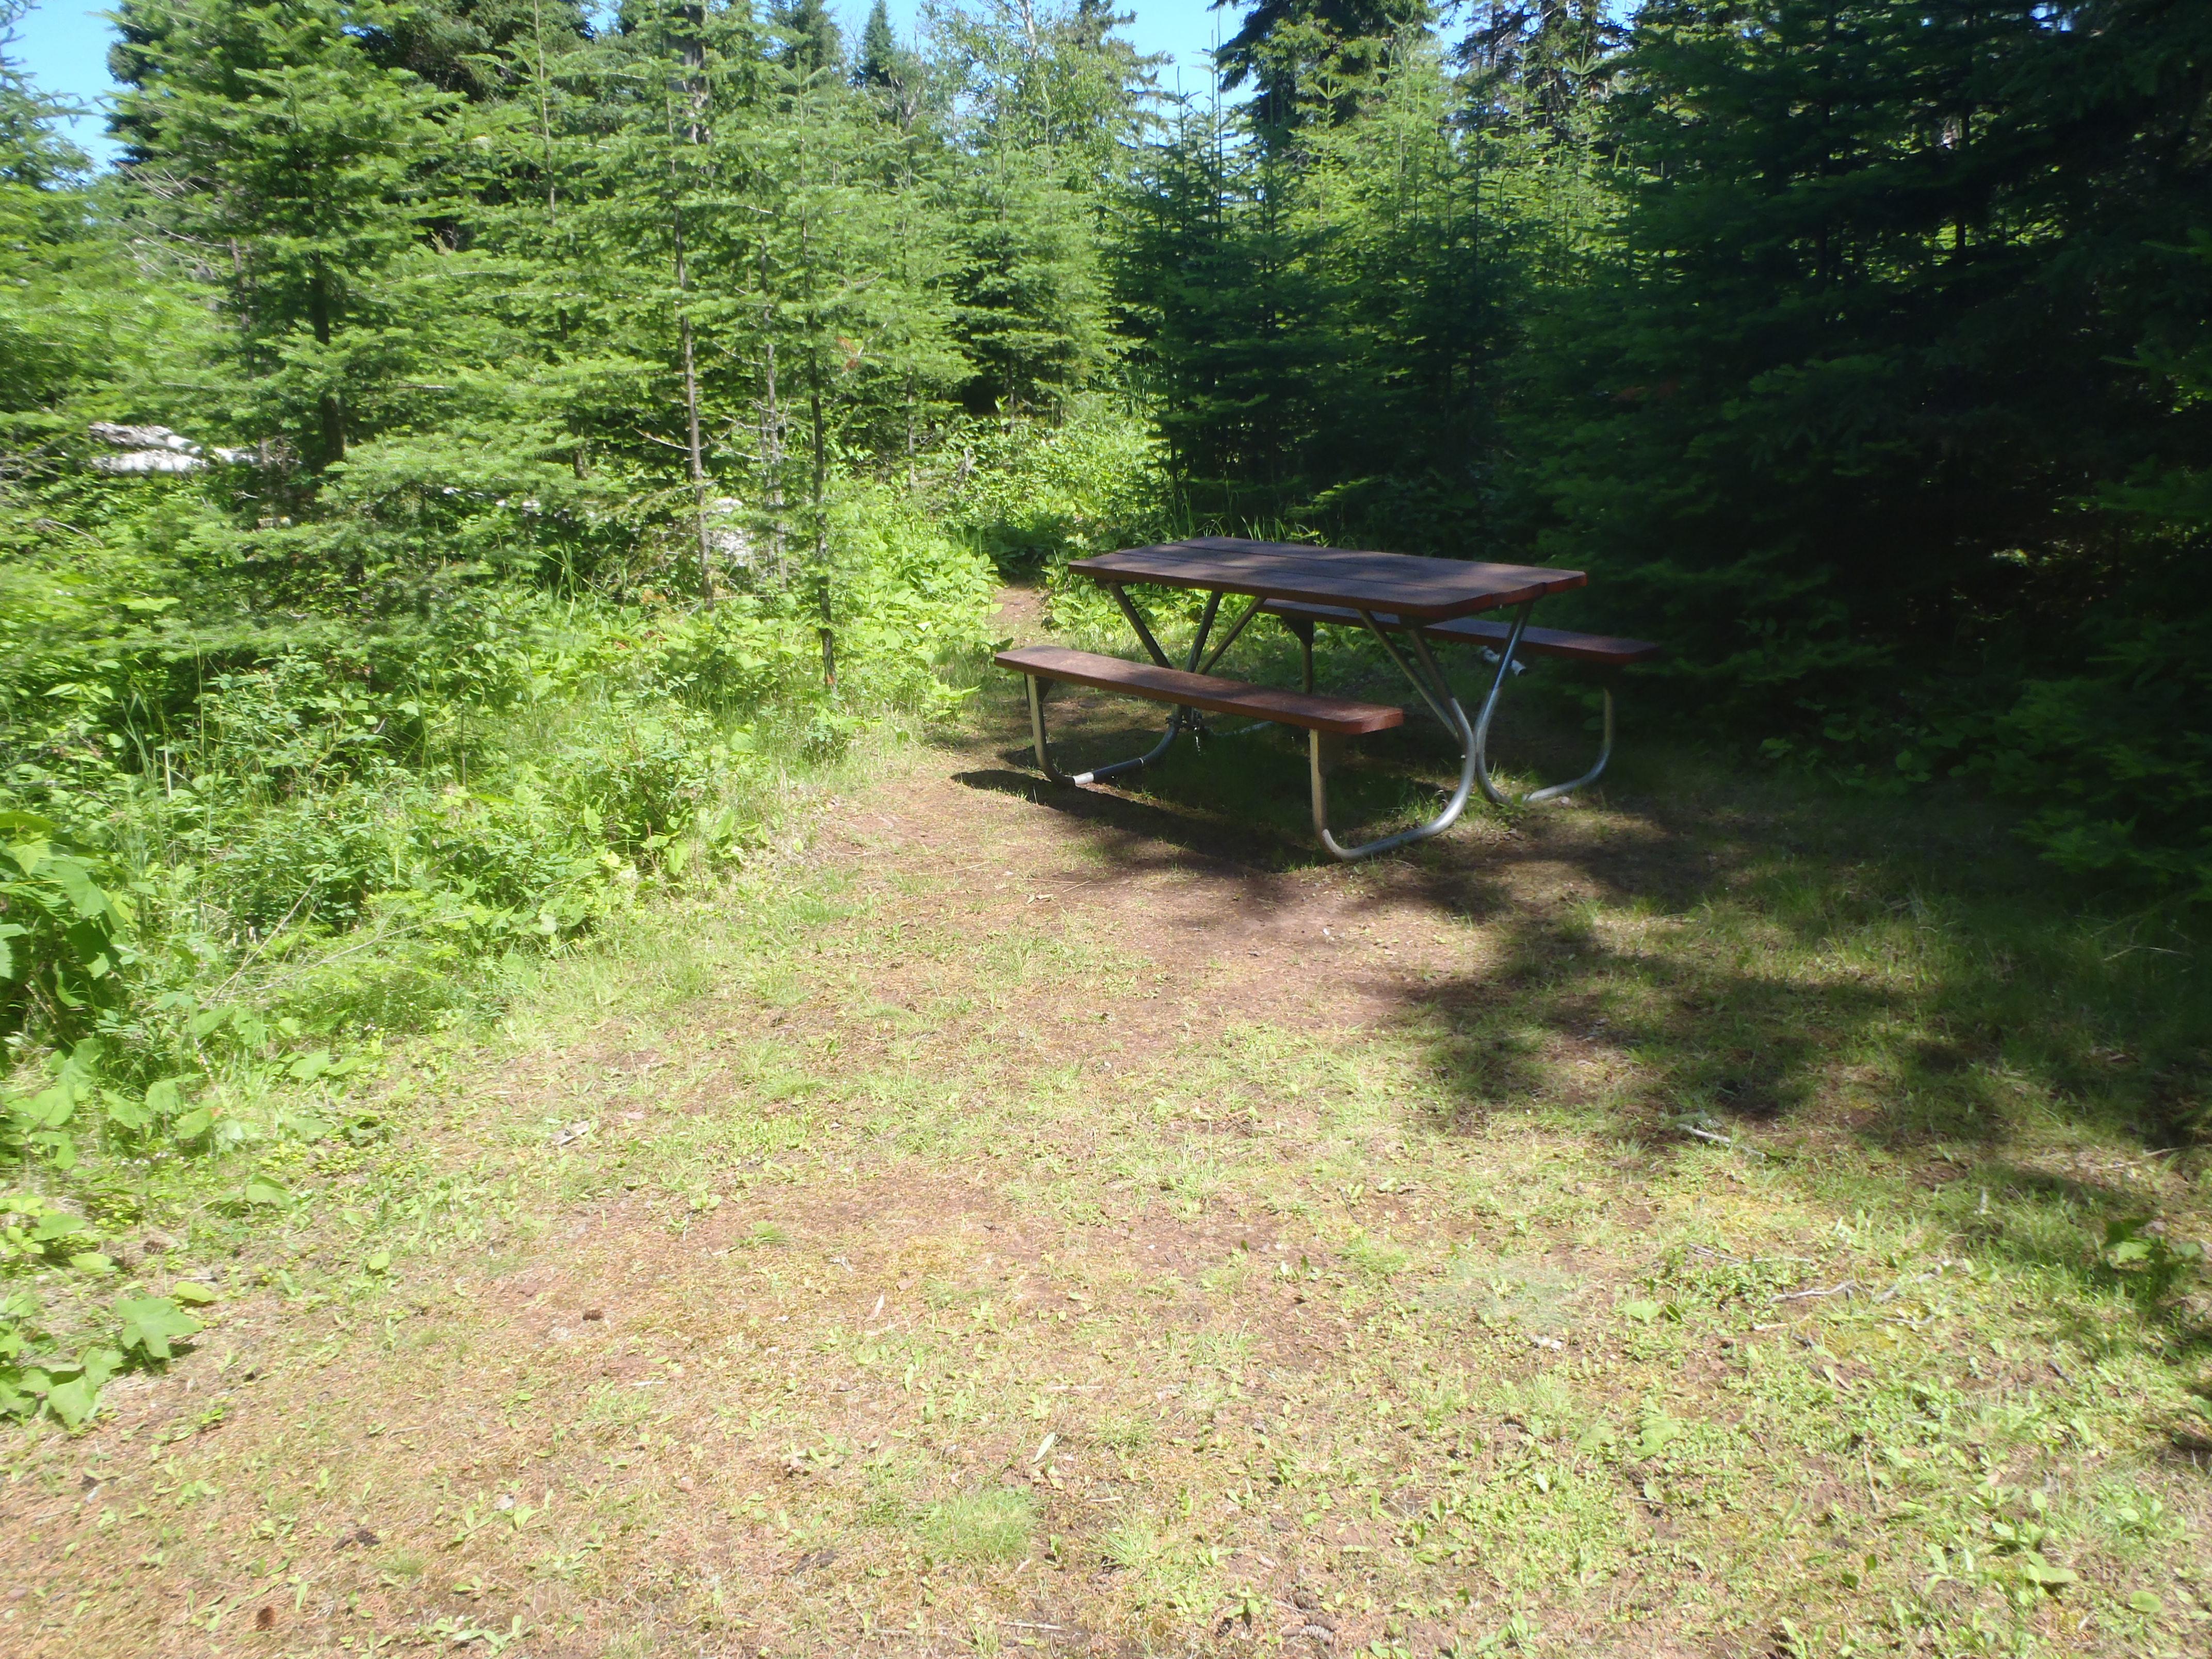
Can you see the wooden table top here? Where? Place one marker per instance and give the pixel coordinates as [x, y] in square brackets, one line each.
[1403, 584]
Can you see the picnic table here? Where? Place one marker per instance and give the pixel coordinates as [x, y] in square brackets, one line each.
[1398, 597]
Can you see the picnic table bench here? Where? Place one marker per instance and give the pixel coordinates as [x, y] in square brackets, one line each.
[1419, 600]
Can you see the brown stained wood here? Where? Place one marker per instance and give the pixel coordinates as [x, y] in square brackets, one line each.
[1404, 584]
[1339, 716]
[1603, 649]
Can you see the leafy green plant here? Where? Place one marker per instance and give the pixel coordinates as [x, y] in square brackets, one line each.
[65, 935]
[35, 1377]
[2138, 1249]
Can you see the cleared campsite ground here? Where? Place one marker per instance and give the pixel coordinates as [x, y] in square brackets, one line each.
[1012, 1220]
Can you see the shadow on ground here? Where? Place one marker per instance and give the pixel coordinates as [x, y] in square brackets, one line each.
[1891, 991]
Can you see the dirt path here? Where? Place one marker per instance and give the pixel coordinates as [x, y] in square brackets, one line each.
[1047, 1221]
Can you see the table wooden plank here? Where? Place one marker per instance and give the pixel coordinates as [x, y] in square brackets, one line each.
[1605, 649]
[1316, 711]
[1404, 584]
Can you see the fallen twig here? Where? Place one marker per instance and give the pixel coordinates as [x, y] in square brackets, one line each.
[1833, 1290]
[1720, 1140]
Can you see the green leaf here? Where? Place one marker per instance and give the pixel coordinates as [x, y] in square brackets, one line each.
[2144, 1601]
[75, 1396]
[193, 1124]
[2037, 1570]
[73, 1402]
[1642, 1312]
[53, 1107]
[75, 880]
[150, 1323]
[263, 1191]
[55, 1223]
[309, 1066]
[192, 1291]
[124, 1112]
[91, 1261]
[378, 1261]
[1655, 1433]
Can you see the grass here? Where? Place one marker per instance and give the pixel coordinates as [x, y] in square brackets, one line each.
[1689, 1222]
[994, 1524]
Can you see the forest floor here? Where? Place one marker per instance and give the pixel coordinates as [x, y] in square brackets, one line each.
[1083, 1222]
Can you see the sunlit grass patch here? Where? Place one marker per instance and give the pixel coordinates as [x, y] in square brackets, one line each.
[1532, 1292]
[993, 1524]
[1254, 1309]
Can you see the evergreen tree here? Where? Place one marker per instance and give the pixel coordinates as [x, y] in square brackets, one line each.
[308, 170]
[809, 38]
[482, 49]
[878, 62]
[1051, 96]
[1323, 315]
[1537, 60]
[887, 71]
[42, 222]
[1304, 58]
[1883, 271]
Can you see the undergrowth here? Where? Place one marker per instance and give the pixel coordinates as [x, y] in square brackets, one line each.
[240, 848]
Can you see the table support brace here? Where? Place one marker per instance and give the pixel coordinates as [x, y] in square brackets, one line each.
[1491, 792]
[1554, 792]
[1097, 775]
[1137, 621]
[1436, 691]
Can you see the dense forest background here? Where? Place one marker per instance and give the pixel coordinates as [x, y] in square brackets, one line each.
[467, 450]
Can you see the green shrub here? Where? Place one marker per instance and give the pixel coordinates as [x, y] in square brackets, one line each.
[65, 929]
[2117, 762]
[1036, 495]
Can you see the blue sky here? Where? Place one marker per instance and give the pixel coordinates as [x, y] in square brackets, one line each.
[64, 44]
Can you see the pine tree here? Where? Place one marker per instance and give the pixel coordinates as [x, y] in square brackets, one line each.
[1539, 61]
[1050, 97]
[878, 62]
[306, 169]
[887, 71]
[482, 49]
[1304, 57]
[1869, 332]
[50, 317]
[810, 40]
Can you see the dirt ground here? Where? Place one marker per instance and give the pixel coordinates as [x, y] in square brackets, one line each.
[1021, 1218]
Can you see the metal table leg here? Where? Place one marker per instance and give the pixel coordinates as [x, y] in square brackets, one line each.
[1436, 691]
[1555, 792]
[1183, 719]
[1097, 775]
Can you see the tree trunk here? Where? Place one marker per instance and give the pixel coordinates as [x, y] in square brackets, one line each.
[772, 470]
[694, 91]
[331, 407]
[822, 534]
[693, 453]
[544, 113]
